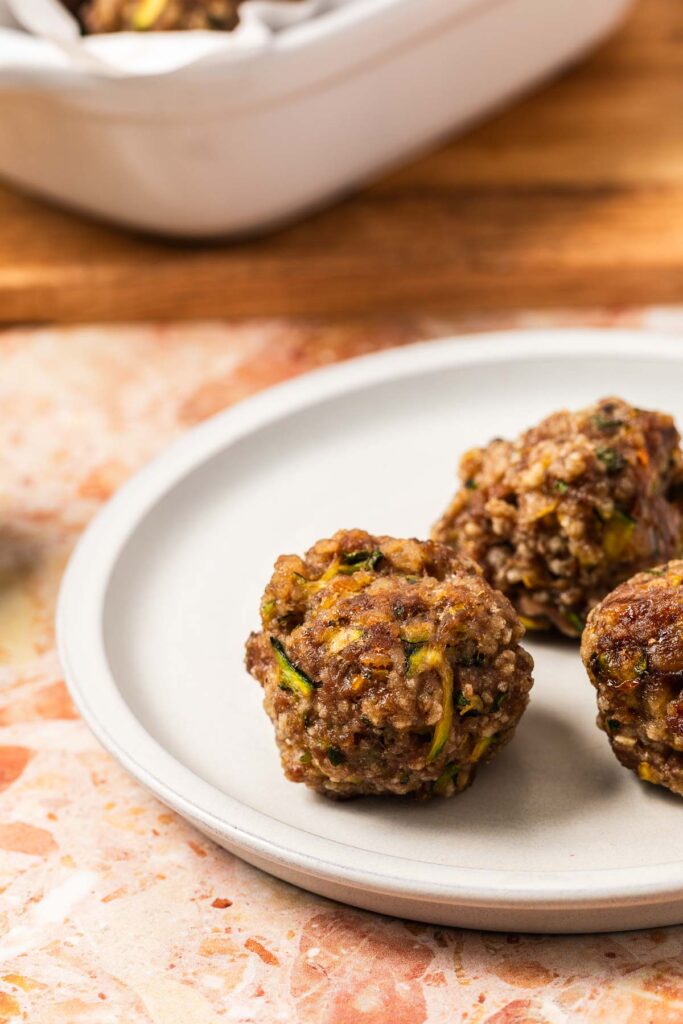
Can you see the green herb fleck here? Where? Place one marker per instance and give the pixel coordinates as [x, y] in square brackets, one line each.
[410, 649]
[500, 700]
[599, 664]
[561, 487]
[335, 756]
[613, 461]
[575, 621]
[613, 724]
[357, 561]
[471, 484]
[441, 784]
[626, 517]
[605, 423]
[306, 757]
[464, 702]
[617, 534]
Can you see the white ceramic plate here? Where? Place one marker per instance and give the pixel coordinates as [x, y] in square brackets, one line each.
[165, 586]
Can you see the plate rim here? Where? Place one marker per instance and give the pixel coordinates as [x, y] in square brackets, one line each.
[92, 686]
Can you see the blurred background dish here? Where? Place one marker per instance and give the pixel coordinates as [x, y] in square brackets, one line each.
[228, 146]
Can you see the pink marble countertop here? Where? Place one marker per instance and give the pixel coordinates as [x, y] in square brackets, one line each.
[111, 907]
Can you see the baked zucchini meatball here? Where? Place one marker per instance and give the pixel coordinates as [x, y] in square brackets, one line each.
[632, 648]
[157, 15]
[388, 666]
[571, 508]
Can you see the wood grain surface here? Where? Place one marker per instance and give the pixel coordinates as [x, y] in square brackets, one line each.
[572, 198]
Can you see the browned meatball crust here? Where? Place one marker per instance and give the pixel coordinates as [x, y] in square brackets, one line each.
[388, 666]
[632, 648]
[571, 508]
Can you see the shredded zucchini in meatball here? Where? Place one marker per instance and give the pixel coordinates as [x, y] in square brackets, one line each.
[577, 504]
[633, 652]
[388, 666]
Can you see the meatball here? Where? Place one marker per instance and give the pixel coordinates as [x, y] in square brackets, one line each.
[158, 15]
[388, 666]
[571, 508]
[632, 648]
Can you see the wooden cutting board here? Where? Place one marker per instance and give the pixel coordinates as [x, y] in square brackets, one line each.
[572, 198]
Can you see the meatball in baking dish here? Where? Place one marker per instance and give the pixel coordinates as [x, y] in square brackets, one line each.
[574, 506]
[388, 666]
[632, 648]
[157, 15]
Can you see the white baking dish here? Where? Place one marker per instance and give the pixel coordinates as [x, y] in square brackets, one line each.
[240, 145]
